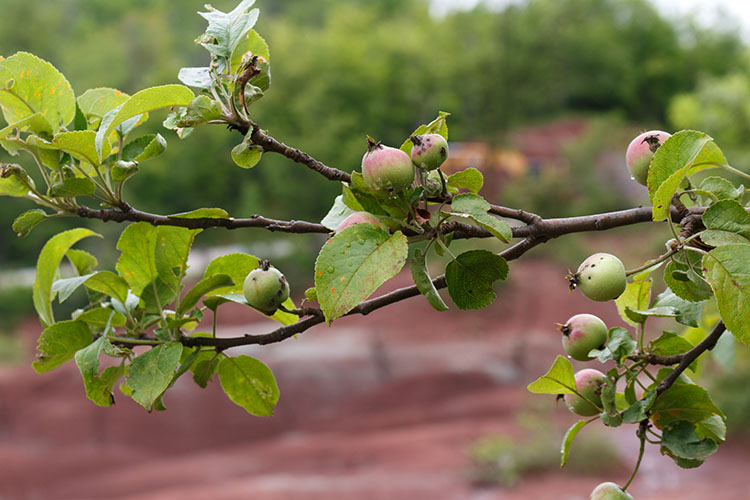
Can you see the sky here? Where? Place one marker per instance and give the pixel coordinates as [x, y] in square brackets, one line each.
[708, 11]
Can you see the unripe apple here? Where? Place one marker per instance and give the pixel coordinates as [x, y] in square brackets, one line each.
[601, 277]
[589, 384]
[429, 151]
[386, 170]
[609, 491]
[359, 218]
[581, 334]
[641, 150]
[266, 288]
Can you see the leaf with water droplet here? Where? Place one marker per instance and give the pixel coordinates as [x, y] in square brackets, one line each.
[377, 258]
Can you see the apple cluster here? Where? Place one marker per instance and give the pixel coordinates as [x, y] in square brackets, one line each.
[388, 171]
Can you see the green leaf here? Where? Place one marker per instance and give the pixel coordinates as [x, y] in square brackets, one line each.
[353, 264]
[246, 155]
[12, 185]
[637, 296]
[469, 203]
[253, 43]
[338, 212]
[728, 215]
[35, 123]
[727, 269]
[75, 186]
[470, 278]
[151, 372]
[236, 265]
[683, 402]
[423, 281]
[35, 87]
[722, 188]
[717, 238]
[203, 213]
[437, 126]
[690, 286]
[203, 287]
[171, 255]
[469, 178]
[610, 416]
[137, 262]
[98, 386]
[712, 428]
[25, 222]
[110, 284]
[669, 344]
[682, 441]
[142, 102]
[475, 208]
[59, 342]
[101, 317]
[96, 103]
[228, 29]
[639, 410]
[46, 266]
[204, 371]
[144, 148]
[682, 154]
[196, 77]
[82, 261]
[567, 441]
[249, 383]
[65, 287]
[558, 380]
[687, 313]
[619, 346]
[78, 144]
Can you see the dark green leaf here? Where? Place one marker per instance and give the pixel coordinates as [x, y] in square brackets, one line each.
[638, 411]
[611, 416]
[682, 441]
[620, 345]
[683, 402]
[470, 278]
[686, 283]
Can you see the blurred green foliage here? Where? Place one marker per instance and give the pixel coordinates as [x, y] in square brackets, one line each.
[343, 69]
